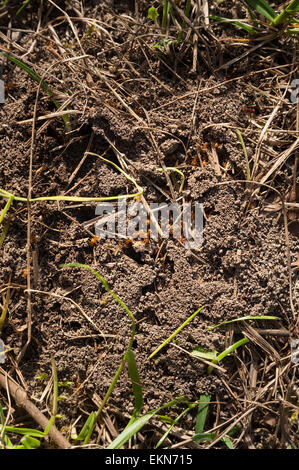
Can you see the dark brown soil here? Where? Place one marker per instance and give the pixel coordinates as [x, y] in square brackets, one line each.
[242, 268]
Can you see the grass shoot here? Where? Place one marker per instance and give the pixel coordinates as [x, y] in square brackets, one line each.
[286, 18]
[174, 333]
[128, 357]
[11, 197]
[45, 87]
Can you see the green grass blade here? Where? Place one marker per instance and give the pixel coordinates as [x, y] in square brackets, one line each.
[240, 24]
[55, 397]
[136, 385]
[7, 206]
[187, 13]
[202, 412]
[107, 287]
[32, 74]
[173, 168]
[204, 436]
[228, 442]
[204, 353]
[175, 421]
[24, 431]
[88, 425]
[2, 417]
[248, 317]
[165, 419]
[228, 351]
[252, 16]
[175, 333]
[30, 442]
[164, 16]
[72, 198]
[133, 330]
[187, 8]
[128, 177]
[8, 443]
[2, 421]
[292, 31]
[23, 6]
[171, 12]
[11, 197]
[131, 430]
[286, 14]
[232, 348]
[263, 8]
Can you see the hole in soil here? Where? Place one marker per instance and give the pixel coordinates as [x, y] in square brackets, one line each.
[172, 160]
[294, 228]
[170, 265]
[126, 5]
[223, 156]
[210, 211]
[75, 325]
[83, 214]
[131, 253]
[152, 317]
[150, 288]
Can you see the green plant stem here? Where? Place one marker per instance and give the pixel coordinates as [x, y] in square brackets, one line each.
[187, 11]
[11, 197]
[55, 397]
[291, 31]
[164, 16]
[174, 334]
[170, 168]
[263, 8]
[175, 421]
[37, 78]
[228, 351]
[23, 6]
[288, 12]
[133, 331]
[131, 430]
[7, 206]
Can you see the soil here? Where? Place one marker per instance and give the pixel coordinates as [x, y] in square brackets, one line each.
[142, 109]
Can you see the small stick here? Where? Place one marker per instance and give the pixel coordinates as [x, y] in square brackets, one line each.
[273, 332]
[21, 399]
[83, 159]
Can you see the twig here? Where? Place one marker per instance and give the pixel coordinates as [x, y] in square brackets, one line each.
[82, 159]
[21, 399]
[262, 136]
[28, 245]
[64, 297]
